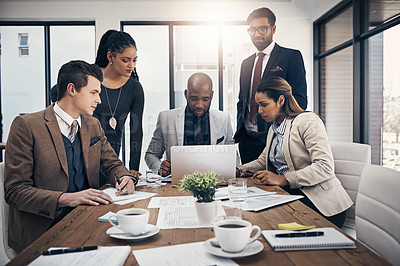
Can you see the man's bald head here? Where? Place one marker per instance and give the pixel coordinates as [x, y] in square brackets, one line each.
[199, 93]
[199, 79]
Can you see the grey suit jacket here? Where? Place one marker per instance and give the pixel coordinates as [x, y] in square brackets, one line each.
[170, 132]
[36, 170]
[309, 156]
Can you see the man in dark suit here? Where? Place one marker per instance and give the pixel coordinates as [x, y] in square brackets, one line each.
[54, 156]
[270, 60]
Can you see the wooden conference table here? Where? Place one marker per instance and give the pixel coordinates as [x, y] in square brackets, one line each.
[81, 228]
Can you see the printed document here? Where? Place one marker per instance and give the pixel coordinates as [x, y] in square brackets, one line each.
[261, 203]
[110, 256]
[179, 255]
[158, 202]
[223, 193]
[124, 199]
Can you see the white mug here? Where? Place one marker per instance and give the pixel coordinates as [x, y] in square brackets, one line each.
[234, 235]
[131, 220]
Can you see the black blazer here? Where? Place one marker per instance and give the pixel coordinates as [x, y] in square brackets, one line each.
[283, 62]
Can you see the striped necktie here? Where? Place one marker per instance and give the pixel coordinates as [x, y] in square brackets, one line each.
[74, 130]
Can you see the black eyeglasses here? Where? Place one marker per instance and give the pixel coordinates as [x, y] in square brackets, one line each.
[262, 30]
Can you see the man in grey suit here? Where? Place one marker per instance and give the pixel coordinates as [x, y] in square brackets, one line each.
[195, 124]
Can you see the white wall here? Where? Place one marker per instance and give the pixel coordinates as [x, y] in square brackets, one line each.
[294, 25]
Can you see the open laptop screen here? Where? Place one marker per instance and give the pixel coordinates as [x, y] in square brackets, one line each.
[203, 158]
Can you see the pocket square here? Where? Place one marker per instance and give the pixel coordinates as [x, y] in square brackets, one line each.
[94, 140]
[220, 139]
[276, 69]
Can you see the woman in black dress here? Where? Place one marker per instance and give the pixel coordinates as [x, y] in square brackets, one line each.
[121, 95]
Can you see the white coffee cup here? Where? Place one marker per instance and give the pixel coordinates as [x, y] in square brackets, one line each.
[131, 220]
[234, 235]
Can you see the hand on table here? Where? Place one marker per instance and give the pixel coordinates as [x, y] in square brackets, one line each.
[269, 178]
[89, 196]
[165, 168]
[126, 186]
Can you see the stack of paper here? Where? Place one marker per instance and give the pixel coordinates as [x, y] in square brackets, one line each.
[261, 203]
[178, 212]
[124, 199]
[223, 193]
[177, 255]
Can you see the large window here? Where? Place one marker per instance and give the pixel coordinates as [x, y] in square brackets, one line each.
[337, 95]
[153, 70]
[30, 59]
[22, 76]
[70, 43]
[170, 52]
[384, 100]
[358, 82]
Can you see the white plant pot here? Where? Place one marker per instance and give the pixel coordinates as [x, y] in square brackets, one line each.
[206, 212]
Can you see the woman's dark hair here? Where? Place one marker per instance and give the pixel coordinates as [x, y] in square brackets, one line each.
[274, 87]
[115, 42]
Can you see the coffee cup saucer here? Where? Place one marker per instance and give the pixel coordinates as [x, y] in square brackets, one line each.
[249, 250]
[149, 230]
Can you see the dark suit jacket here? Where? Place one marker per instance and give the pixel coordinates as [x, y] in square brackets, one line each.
[283, 62]
[36, 170]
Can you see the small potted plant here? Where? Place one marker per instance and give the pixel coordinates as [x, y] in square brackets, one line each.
[202, 186]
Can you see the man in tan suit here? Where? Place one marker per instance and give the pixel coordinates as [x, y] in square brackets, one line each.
[54, 156]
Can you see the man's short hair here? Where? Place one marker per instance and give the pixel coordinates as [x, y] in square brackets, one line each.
[76, 72]
[262, 13]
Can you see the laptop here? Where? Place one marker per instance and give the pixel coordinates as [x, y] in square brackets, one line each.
[203, 158]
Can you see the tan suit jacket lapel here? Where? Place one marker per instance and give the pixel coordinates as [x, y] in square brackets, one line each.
[56, 136]
[180, 126]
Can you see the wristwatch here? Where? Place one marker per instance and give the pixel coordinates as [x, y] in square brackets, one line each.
[134, 179]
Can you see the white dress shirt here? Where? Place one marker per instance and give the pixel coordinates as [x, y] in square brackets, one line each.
[267, 51]
[64, 120]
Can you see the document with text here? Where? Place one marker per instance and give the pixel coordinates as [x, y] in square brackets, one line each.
[261, 203]
[158, 202]
[180, 212]
[124, 199]
[111, 256]
[179, 255]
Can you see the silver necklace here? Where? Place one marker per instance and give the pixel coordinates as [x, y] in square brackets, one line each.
[113, 122]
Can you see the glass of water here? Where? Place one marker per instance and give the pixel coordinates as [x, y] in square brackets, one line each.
[237, 188]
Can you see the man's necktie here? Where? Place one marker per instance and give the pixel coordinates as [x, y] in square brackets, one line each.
[198, 136]
[256, 82]
[74, 129]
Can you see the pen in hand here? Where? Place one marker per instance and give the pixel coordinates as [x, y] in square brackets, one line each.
[119, 181]
[306, 234]
[67, 250]
[117, 178]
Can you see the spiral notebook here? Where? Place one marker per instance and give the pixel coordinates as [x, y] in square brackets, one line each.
[332, 239]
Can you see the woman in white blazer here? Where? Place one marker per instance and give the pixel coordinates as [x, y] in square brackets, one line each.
[297, 155]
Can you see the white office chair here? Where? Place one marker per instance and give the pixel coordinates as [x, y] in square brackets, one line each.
[350, 160]
[378, 211]
[6, 253]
